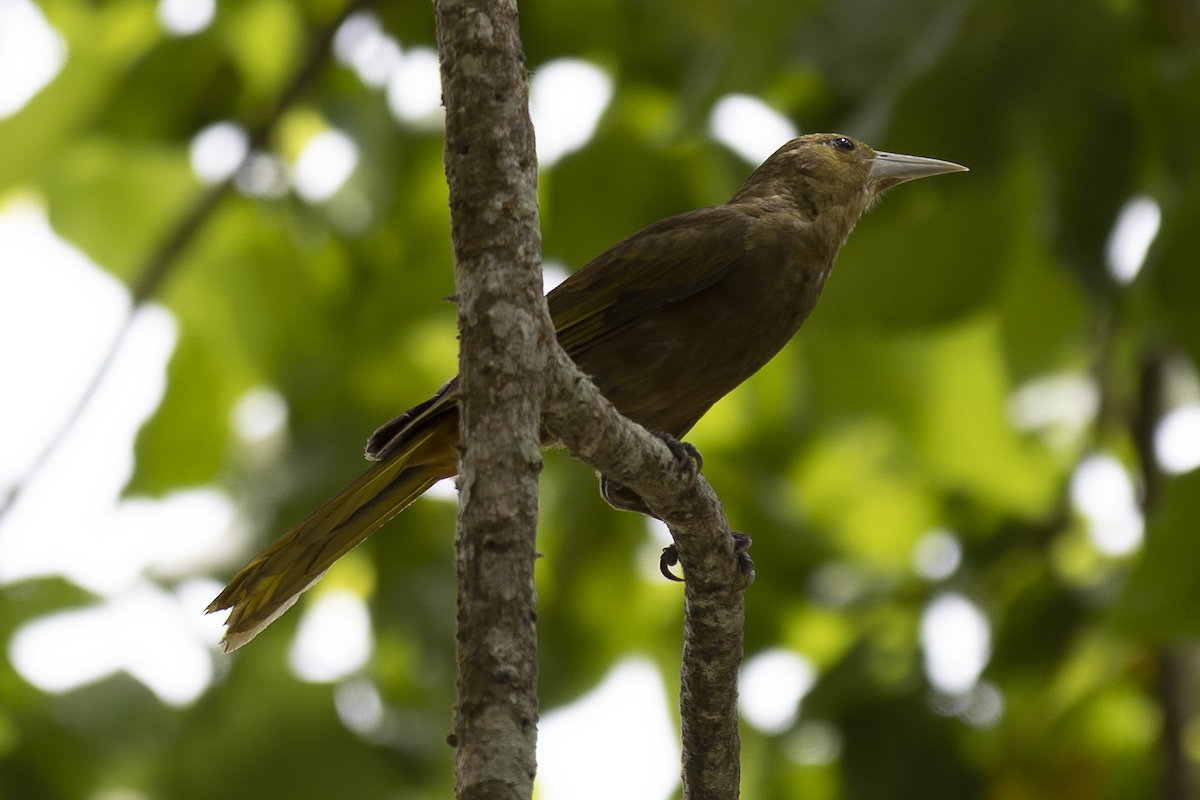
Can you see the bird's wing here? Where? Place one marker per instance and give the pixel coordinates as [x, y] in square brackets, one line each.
[662, 264]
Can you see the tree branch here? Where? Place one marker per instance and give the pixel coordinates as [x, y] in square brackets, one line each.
[509, 352]
[714, 597]
[505, 328]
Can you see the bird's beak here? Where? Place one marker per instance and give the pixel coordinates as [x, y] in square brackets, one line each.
[889, 169]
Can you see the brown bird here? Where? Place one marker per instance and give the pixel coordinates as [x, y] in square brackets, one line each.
[666, 323]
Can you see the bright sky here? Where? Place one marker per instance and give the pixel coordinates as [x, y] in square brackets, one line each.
[31, 54]
[749, 127]
[626, 721]
[956, 638]
[1102, 491]
[70, 521]
[773, 682]
[186, 17]
[1131, 237]
[936, 554]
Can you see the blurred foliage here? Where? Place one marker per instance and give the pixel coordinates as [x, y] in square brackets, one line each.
[887, 417]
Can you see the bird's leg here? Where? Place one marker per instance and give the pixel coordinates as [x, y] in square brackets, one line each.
[741, 548]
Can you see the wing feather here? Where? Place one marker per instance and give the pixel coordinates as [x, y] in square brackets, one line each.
[662, 264]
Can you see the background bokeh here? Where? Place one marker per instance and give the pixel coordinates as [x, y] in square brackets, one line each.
[971, 479]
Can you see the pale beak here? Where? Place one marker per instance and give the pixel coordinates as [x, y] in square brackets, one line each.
[889, 169]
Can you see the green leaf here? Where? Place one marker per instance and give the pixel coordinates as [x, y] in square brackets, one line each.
[116, 200]
[264, 39]
[183, 443]
[103, 42]
[917, 259]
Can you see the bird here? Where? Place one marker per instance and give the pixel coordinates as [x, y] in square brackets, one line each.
[666, 322]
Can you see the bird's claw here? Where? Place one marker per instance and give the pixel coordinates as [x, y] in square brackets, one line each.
[741, 547]
[687, 457]
[668, 559]
[622, 498]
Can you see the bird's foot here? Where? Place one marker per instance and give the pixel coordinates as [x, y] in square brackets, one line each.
[687, 457]
[622, 498]
[741, 548]
[668, 559]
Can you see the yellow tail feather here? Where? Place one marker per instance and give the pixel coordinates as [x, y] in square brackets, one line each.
[273, 581]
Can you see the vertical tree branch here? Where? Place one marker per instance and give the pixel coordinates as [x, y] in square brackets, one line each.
[505, 332]
[1172, 687]
[1171, 660]
[713, 632]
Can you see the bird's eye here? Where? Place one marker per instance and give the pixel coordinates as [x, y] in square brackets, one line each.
[842, 143]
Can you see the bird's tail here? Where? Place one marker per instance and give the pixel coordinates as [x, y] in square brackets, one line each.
[273, 581]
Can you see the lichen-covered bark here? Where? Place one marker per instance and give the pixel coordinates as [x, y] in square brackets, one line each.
[505, 331]
[714, 600]
[514, 380]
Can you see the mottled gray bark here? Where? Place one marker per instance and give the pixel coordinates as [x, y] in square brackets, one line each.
[515, 379]
[714, 607]
[505, 332]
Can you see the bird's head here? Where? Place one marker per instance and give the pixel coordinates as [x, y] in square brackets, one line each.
[830, 173]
